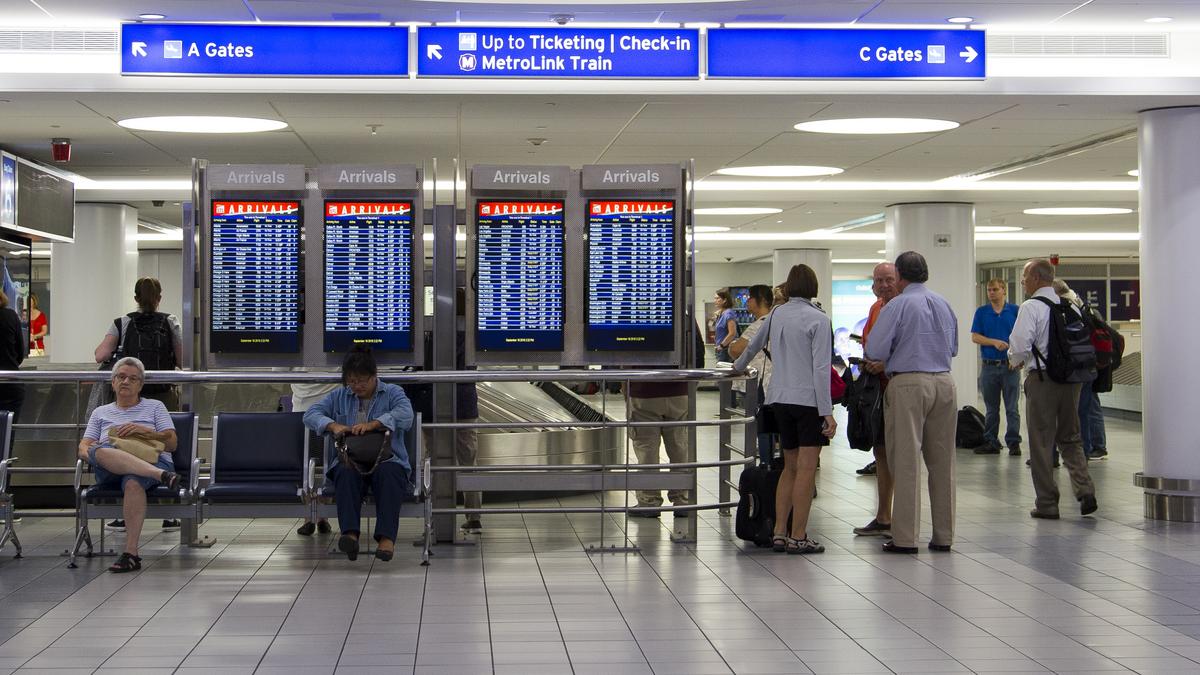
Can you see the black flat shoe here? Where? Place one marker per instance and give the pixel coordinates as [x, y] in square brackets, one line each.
[307, 529]
[891, 547]
[384, 555]
[1044, 516]
[324, 527]
[942, 548]
[170, 480]
[1088, 505]
[349, 546]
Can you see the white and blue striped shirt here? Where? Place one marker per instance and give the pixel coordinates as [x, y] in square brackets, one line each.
[147, 412]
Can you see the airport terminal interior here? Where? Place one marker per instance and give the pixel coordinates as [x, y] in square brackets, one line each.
[555, 207]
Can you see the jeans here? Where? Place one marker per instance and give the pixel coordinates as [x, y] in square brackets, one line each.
[996, 380]
[390, 485]
[1091, 420]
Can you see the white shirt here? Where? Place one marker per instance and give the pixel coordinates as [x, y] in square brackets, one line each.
[760, 362]
[1032, 329]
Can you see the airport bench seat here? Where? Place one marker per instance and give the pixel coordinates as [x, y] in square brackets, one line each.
[258, 467]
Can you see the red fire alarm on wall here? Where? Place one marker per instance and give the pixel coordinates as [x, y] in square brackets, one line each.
[1054, 259]
[61, 149]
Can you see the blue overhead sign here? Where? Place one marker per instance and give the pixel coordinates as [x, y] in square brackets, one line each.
[263, 50]
[588, 53]
[830, 53]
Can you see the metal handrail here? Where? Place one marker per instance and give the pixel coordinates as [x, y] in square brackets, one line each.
[587, 425]
[414, 376]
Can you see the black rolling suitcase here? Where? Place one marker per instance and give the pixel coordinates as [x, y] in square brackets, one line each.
[755, 518]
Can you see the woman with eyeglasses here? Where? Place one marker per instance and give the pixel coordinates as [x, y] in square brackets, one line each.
[130, 417]
[365, 405]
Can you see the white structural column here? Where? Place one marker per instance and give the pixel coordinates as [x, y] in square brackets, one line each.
[92, 280]
[1170, 248]
[945, 234]
[821, 262]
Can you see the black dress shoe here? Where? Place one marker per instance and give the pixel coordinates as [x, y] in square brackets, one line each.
[306, 529]
[644, 514]
[891, 547]
[349, 546]
[987, 450]
[384, 555]
[1014, 450]
[1088, 505]
[868, 470]
[324, 527]
[939, 547]
[1044, 516]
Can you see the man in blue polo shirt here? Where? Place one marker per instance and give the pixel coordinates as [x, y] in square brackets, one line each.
[990, 330]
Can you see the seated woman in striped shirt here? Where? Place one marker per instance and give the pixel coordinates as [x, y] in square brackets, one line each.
[130, 416]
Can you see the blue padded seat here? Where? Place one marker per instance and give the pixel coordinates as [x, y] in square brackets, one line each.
[258, 458]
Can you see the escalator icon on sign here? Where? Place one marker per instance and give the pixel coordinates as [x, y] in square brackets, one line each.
[466, 62]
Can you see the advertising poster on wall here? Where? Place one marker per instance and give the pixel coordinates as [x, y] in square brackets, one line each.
[852, 302]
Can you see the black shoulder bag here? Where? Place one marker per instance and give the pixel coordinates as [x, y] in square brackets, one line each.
[364, 453]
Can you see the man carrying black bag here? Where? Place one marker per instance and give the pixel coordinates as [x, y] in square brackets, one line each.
[883, 285]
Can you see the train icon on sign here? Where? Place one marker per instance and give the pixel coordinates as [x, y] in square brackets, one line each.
[467, 62]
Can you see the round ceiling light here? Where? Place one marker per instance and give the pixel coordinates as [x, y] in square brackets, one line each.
[877, 125]
[150, 16]
[1159, 19]
[998, 228]
[710, 228]
[780, 171]
[960, 19]
[1077, 211]
[198, 124]
[738, 211]
[1133, 172]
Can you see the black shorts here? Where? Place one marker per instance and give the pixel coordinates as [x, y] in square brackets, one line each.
[799, 426]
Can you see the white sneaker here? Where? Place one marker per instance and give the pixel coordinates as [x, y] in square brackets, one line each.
[115, 525]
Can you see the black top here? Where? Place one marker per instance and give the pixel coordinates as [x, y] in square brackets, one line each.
[13, 345]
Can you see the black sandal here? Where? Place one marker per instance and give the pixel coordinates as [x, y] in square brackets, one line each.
[126, 563]
[170, 479]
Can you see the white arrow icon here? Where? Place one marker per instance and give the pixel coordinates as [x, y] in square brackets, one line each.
[969, 53]
[433, 52]
[138, 48]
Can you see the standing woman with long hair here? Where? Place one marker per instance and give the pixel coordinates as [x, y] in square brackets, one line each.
[798, 340]
[725, 329]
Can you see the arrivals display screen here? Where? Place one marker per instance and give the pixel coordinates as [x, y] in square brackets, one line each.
[630, 273]
[368, 275]
[255, 276]
[519, 264]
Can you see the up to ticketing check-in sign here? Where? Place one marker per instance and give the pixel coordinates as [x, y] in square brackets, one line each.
[832, 53]
[264, 50]
[459, 51]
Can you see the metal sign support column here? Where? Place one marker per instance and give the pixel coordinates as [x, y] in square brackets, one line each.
[444, 342]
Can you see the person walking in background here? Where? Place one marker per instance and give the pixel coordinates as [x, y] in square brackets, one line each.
[990, 329]
[883, 285]
[799, 341]
[725, 329]
[914, 341]
[1051, 408]
[304, 395]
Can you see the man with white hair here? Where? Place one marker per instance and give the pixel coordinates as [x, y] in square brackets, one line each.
[115, 432]
[1051, 408]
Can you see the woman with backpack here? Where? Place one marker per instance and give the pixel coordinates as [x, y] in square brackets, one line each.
[155, 339]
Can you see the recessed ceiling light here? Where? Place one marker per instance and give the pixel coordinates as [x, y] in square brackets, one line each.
[195, 124]
[1159, 19]
[960, 19]
[710, 228]
[738, 211]
[1077, 211]
[876, 125]
[882, 251]
[1133, 172]
[152, 16]
[857, 261]
[780, 171]
[998, 228]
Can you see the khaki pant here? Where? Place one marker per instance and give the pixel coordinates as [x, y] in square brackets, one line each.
[466, 451]
[1052, 413]
[646, 440]
[919, 420]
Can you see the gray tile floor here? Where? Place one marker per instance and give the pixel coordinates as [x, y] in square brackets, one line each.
[1109, 593]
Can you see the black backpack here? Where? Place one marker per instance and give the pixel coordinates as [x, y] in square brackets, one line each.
[969, 431]
[864, 399]
[1071, 356]
[149, 339]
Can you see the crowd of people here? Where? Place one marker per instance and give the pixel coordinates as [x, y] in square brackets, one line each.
[909, 341]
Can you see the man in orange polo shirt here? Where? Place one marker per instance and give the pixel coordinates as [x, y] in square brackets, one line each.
[883, 285]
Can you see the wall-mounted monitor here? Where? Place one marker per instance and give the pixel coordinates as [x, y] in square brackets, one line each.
[630, 275]
[45, 204]
[255, 256]
[368, 275]
[519, 275]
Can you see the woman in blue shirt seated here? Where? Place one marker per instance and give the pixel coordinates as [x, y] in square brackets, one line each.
[362, 406]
